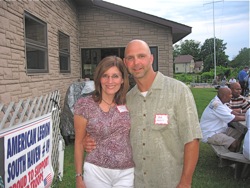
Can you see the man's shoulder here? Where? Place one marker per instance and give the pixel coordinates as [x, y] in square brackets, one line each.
[132, 91]
[216, 103]
[173, 82]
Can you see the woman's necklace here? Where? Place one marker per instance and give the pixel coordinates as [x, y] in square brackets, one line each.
[109, 104]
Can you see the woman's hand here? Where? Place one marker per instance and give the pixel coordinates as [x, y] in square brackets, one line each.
[89, 143]
[79, 182]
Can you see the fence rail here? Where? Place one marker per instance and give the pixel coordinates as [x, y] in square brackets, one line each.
[15, 113]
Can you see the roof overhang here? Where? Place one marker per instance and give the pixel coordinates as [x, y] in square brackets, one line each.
[179, 31]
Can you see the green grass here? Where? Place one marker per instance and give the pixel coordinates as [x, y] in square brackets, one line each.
[207, 173]
[68, 180]
[202, 97]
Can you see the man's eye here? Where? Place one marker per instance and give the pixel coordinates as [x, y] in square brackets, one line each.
[130, 58]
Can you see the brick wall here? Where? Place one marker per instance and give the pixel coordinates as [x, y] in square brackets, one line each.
[92, 28]
[15, 83]
[100, 28]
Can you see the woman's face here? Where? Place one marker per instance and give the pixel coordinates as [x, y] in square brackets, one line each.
[111, 81]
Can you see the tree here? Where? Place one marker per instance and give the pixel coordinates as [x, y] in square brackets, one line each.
[176, 50]
[207, 53]
[188, 47]
[242, 59]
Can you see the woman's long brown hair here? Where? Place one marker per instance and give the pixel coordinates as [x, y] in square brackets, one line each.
[105, 64]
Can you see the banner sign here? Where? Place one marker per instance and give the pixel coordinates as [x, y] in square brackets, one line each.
[25, 154]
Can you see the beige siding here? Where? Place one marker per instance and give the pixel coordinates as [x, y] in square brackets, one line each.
[100, 28]
[15, 83]
[87, 28]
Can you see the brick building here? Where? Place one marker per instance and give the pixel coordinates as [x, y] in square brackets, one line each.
[47, 45]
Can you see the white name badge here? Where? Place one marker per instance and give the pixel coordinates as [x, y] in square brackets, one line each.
[122, 108]
[161, 119]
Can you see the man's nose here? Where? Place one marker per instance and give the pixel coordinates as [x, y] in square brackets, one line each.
[136, 60]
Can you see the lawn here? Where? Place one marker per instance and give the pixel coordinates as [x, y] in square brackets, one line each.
[207, 173]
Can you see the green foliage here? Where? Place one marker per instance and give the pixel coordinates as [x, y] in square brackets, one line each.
[242, 59]
[176, 50]
[188, 47]
[220, 72]
[208, 75]
[235, 72]
[207, 53]
[186, 78]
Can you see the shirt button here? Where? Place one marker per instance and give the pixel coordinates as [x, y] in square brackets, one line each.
[143, 144]
[144, 100]
[144, 173]
[144, 158]
[144, 129]
[144, 115]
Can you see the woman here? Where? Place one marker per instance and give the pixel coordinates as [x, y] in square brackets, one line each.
[105, 117]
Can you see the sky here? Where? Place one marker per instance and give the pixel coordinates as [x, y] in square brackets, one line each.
[227, 20]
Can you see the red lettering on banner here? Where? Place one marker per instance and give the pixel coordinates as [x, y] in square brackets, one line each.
[39, 168]
[37, 181]
[20, 183]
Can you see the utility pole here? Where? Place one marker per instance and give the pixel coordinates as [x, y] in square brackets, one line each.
[214, 38]
[214, 45]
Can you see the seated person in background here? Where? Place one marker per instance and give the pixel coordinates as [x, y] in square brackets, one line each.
[214, 122]
[223, 82]
[238, 103]
[232, 80]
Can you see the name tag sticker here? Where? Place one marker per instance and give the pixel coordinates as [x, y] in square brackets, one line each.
[161, 119]
[122, 108]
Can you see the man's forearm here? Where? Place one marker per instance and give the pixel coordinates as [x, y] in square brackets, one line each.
[191, 155]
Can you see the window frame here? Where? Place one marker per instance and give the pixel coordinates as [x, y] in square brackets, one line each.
[63, 53]
[36, 45]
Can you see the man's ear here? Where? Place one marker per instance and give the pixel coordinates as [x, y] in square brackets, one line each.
[152, 59]
[124, 61]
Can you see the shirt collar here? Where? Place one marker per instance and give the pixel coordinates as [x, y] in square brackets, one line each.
[156, 85]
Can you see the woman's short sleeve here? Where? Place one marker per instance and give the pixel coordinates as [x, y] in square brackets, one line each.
[81, 106]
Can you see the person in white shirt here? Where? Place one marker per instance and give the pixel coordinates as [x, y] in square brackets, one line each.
[232, 80]
[214, 122]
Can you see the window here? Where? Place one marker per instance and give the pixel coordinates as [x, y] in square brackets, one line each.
[64, 52]
[91, 57]
[154, 51]
[36, 45]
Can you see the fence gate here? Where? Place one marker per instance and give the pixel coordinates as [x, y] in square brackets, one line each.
[24, 110]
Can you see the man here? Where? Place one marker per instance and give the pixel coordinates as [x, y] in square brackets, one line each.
[232, 80]
[241, 76]
[215, 119]
[165, 129]
[238, 103]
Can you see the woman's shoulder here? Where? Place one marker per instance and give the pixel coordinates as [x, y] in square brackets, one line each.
[86, 99]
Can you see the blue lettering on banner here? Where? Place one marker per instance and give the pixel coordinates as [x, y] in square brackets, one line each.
[21, 142]
[43, 131]
[16, 168]
[33, 156]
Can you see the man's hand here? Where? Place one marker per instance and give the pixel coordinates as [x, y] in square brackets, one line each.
[89, 143]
